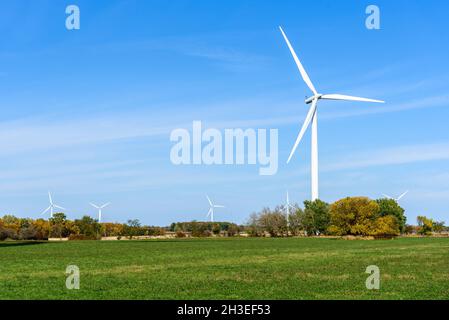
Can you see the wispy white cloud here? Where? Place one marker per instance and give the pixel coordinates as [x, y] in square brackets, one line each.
[32, 135]
[428, 102]
[26, 135]
[391, 156]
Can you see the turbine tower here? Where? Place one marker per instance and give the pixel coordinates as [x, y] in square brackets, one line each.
[99, 209]
[312, 117]
[52, 206]
[398, 198]
[211, 210]
[287, 207]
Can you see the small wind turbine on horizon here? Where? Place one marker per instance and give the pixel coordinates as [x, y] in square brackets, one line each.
[52, 206]
[398, 198]
[99, 209]
[312, 117]
[287, 207]
[211, 210]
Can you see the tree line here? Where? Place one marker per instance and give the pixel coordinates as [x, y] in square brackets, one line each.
[352, 216]
[356, 216]
[87, 228]
[59, 226]
[206, 229]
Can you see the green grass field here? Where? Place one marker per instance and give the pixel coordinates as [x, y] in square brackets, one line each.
[227, 269]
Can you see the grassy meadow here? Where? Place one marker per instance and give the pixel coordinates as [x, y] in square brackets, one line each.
[254, 268]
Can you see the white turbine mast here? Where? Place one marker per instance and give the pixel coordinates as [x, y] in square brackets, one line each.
[398, 198]
[211, 210]
[287, 207]
[99, 209]
[52, 206]
[312, 117]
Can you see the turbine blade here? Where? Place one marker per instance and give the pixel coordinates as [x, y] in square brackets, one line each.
[306, 124]
[105, 205]
[49, 197]
[303, 72]
[46, 210]
[60, 207]
[219, 206]
[208, 199]
[387, 196]
[94, 205]
[348, 98]
[402, 195]
[209, 212]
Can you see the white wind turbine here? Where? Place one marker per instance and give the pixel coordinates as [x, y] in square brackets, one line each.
[287, 211]
[52, 206]
[211, 210]
[312, 117]
[398, 198]
[287, 207]
[99, 209]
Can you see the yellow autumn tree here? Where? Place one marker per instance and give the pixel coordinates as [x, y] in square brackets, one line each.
[353, 216]
[387, 226]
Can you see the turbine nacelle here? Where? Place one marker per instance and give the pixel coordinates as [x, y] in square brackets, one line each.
[315, 97]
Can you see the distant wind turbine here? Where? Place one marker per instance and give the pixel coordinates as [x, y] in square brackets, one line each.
[211, 210]
[99, 209]
[287, 207]
[398, 198]
[52, 206]
[312, 117]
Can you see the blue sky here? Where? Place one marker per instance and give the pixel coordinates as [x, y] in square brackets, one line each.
[87, 114]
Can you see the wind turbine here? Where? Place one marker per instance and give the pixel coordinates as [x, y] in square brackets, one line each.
[398, 198]
[287, 207]
[312, 116]
[52, 206]
[287, 211]
[211, 210]
[99, 209]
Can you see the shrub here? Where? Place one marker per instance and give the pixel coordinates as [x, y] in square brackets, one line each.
[81, 237]
[425, 225]
[29, 233]
[180, 234]
[6, 233]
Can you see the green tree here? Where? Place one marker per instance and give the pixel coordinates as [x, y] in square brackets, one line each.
[390, 207]
[58, 225]
[88, 227]
[134, 223]
[132, 228]
[315, 219]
